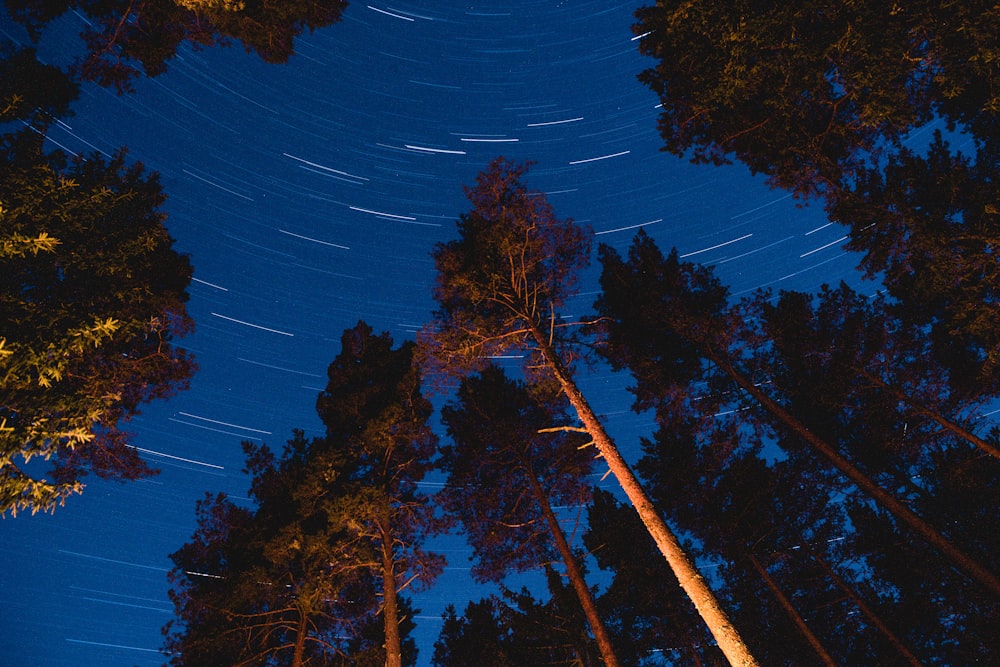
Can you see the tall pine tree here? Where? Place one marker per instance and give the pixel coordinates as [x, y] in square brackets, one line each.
[498, 288]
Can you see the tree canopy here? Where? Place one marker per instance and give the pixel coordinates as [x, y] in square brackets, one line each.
[336, 535]
[809, 93]
[822, 98]
[865, 444]
[128, 38]
[92, 295]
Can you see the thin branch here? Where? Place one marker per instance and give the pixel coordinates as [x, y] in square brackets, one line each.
[570, 429]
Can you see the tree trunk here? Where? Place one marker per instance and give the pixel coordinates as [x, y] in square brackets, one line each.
[889, 502]
[690, 580]
[300, 639]
[791, 612]
[390, 606]
[866, 610]
[576, 577]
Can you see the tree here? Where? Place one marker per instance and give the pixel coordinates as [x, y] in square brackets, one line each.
[838, 351]
[651, 620]
[336, 535]
[649, 301]
[819, 356]
[91, 295]
[249, 589]
[379, 443]
[498, 288]
[819, 97]
[478, 637]
[127, 38]
[808, 93]
[927, 225]
[509, 464]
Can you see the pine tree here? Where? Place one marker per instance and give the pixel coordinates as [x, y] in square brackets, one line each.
[498, 288]
[809, 93]
[651, 301]
[336, 535]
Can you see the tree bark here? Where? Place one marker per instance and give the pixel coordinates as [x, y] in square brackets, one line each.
[889, 502]
[690, 580]
[792, 612]
[576, 578]
[390, 605]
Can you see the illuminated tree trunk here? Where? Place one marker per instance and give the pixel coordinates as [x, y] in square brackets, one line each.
[390, 605]
[690, 580]
[300, 640]
[576, 577]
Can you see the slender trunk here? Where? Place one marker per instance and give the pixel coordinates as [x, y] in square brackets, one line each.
[693, 652]
[938, 418]
[579, 584]
[390, 605]
[300, 639]
[690, 580]
[791, 612]
[889, 502]
[867, 611]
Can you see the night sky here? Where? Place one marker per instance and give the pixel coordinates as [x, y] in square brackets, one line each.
[308, 196]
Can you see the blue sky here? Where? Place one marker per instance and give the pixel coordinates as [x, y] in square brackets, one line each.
[308, 196]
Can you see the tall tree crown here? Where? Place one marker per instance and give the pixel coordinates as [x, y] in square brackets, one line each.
[514, 264]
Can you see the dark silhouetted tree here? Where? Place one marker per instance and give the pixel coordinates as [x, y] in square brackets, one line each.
[31, 91]
[91, 295]
[498, 288]
[338, 528]
[509, 465]
[839, 351]
[379, 443]
[820, 97]
[127, 38]
[478, 637]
